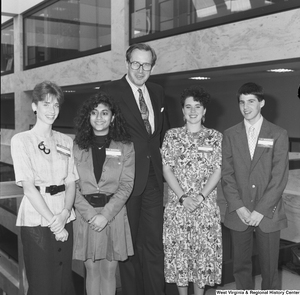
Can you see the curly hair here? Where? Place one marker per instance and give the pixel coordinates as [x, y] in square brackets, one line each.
[198, 93]
[85, 137]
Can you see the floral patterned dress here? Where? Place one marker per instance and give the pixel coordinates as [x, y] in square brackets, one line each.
[192, 241]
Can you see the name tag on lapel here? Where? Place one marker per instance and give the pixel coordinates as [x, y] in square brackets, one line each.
[205, 148]
[265, 142]
[63, 150]
[113, 152]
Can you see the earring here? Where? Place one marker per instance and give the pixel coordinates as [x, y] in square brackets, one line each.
[34, 112]
[203, 119]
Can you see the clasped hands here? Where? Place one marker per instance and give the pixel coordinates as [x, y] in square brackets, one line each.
[249, 218]
[98, 222]
[191, 204]
[57, 226]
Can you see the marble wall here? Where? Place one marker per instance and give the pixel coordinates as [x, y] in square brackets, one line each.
[261, 39]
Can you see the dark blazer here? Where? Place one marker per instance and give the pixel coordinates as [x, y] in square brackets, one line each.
[258, 184]
[146, 147]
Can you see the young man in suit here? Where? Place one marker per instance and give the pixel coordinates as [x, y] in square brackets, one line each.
[142, 104]
[254, 176]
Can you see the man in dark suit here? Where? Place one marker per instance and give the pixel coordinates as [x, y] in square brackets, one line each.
[254, 176]
[142, 104]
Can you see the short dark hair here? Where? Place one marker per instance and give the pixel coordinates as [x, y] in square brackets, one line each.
[251, 88]
[44, 88]
[198, 93]
[141, 46]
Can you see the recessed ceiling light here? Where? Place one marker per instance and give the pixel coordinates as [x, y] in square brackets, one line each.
[59, 8]
[69, 91]
[280, 70]
[97, 87]
[200, 78]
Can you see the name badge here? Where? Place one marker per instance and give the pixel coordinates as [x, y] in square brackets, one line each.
[113, 152]
[63, 150]
[265, 142]
[205, 148]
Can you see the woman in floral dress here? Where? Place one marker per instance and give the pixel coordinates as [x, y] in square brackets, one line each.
[192, 223]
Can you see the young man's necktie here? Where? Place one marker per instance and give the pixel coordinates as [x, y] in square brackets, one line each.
[251, 141]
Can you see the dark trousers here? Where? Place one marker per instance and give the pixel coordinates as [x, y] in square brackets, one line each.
[268, 252]
[143, 273]
[48, 263]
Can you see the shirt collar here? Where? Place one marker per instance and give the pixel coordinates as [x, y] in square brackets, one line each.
[257, 125]
[134, 87]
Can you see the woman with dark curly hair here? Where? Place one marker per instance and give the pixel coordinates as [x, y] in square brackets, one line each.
[192, 223]
[104, 156]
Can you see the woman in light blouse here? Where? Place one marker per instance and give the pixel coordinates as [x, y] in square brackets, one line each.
[44, 166]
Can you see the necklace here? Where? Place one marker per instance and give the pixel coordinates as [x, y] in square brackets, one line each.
[100, 142]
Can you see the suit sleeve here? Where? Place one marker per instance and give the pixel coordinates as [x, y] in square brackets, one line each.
[83, 207]
[81, 204]
[229, 185]
[279, 177]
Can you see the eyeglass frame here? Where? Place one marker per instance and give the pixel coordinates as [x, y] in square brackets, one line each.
[140, 65]
[43, 148]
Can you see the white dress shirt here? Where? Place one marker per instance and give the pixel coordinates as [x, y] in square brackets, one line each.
[257, 127]
[147, 100]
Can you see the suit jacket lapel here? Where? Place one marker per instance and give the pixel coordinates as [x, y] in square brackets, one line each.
[128, 98]
[242, 143]
[264, 133]
[155, 108]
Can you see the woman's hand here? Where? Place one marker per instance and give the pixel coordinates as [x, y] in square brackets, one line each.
[98, 222]
[199, 199]
[58, 221]
[190, 204]
[62, 235]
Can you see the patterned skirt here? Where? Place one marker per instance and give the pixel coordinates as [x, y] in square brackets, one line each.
[193, 244]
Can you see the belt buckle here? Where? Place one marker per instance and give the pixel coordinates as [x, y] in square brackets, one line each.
[53, 189]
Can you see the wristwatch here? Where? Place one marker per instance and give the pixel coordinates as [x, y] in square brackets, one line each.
[182, 198]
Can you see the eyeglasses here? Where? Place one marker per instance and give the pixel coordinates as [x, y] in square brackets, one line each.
[43, 148]
[135, 65]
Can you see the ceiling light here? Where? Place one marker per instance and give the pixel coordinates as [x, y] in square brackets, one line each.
[59, 8]
[200, 78]
[280, 70]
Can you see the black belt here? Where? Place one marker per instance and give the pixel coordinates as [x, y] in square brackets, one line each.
[53, 189]
[98, 200]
